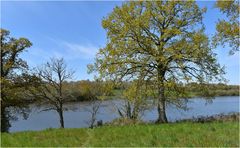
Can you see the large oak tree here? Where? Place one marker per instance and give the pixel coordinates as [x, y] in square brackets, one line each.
[161, 43]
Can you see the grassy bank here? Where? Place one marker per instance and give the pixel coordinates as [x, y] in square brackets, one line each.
[175, 134]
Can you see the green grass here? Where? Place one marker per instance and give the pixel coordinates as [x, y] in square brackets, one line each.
[177, 134]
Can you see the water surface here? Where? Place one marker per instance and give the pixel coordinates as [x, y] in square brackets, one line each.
[80, 116]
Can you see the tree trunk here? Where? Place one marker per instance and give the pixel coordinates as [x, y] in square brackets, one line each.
[162, 118]
[5, 123]
[60, 112]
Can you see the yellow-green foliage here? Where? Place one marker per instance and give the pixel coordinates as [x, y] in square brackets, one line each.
[228, 29]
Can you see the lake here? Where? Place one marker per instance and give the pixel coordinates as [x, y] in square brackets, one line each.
[78, 118]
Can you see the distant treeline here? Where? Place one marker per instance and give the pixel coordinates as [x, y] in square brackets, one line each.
[85, 90]
[215, 89]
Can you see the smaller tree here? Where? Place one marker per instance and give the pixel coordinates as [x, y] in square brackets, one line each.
[228, 29]
[93, 92]
[93, 110]
[136, 100]
[51, 89]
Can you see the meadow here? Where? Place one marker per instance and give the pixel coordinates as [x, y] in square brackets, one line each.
[173, 134]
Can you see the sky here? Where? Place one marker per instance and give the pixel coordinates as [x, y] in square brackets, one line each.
[72, 30]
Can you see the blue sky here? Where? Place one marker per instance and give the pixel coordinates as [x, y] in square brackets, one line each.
[72, 29]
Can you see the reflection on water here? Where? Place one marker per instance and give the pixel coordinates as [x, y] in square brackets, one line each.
[78, 118]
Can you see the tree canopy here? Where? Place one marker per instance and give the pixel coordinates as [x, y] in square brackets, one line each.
[14, 75]
[228, 29]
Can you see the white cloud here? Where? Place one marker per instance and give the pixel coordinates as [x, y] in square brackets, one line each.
[71, 50]
[60, 49]
[80, 51]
